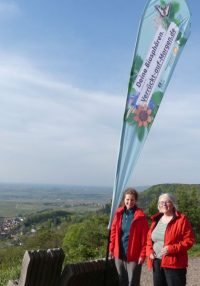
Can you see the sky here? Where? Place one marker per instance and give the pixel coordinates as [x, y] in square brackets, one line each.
[64, 72]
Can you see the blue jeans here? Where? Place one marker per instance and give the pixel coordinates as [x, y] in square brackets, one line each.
[168, 276]
[129, 272]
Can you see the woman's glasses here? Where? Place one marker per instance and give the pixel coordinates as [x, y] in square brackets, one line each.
[162, 203]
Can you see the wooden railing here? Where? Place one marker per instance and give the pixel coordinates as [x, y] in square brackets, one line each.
[45, 268]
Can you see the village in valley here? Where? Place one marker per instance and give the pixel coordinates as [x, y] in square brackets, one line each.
[8, 226]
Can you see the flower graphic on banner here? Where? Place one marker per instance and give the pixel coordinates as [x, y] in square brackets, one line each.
[140, 115]
[143, 115]
[132, 100]
[163, 32]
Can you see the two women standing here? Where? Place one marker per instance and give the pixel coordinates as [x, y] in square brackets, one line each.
[166, 245]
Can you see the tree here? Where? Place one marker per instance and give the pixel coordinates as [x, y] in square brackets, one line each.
[44, 238]
[86, 240]
[189, 204]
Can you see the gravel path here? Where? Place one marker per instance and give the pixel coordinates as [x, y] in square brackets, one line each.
[193, 274]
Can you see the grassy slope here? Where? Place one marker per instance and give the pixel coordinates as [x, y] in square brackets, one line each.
[12, 208]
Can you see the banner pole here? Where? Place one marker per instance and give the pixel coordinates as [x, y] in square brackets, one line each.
[107, 259]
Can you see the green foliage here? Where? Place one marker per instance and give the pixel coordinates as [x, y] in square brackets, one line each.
[84, 236]
[146, 197]
[11, 257]
[153, 207]
[195, 250]
[105, 209]
[86, 240]
[43, 238]
[44, 215]
[188, 197]
[10, 263]
[189, 204]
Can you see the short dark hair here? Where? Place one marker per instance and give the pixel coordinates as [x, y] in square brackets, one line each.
[129, 191]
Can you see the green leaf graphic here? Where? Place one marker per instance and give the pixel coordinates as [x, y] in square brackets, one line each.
[137, 64]
[141, 131]
[162, 3]
[175, 7]
[182, 41]
[179, 36]
[157, 97]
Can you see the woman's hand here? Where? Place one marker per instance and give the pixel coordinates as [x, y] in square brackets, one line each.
[152, 256]
[140, 260]
[164, 250]
[111, 256]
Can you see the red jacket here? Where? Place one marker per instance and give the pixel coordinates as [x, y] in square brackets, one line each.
[179, 238]
[137, 236]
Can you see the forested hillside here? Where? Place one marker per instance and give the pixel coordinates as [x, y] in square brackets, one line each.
[181, 191]
[83, 236]
[188, 197]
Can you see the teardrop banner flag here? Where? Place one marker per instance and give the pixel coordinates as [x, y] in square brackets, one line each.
[163, 32]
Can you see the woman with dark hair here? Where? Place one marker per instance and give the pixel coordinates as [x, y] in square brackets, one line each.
[128, 239]
[169, 238]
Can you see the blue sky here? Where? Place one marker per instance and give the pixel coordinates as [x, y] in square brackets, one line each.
[64, 71]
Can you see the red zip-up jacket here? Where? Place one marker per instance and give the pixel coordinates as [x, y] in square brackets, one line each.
[179, 238]
[137, 236]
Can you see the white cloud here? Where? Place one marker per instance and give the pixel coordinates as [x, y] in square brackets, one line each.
[171, 153]
[52, 131]
[46, 123]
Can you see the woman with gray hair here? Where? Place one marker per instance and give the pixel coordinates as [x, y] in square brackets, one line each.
[169, 238]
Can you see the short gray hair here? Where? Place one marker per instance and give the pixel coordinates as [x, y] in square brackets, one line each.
[172, 199]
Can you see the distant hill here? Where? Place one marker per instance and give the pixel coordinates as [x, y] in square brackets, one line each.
[51, 193]
[21, 192]
[151, 194]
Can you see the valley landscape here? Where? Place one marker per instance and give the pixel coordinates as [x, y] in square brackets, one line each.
[48, 216]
